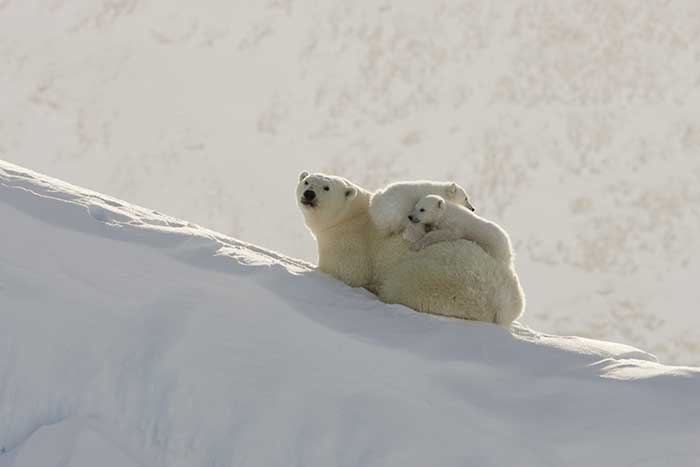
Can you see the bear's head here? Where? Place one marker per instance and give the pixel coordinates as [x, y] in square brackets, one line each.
[428, 210]
[456, 194]
[325, 200]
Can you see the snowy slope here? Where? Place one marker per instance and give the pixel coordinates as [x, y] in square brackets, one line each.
[573, 123]
[130, 338]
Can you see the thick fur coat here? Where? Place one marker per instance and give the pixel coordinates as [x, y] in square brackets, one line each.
[439, 221]
[390, 206]
[453, 278]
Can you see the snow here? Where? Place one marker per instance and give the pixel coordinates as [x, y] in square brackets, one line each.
[132, 338]
[73, 442]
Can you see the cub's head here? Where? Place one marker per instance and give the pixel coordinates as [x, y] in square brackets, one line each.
[324, 199]
[456, 194]
[428, 210]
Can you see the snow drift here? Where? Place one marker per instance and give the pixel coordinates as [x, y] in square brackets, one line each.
[130, 338]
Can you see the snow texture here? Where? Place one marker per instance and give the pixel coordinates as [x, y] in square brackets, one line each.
[130, 338]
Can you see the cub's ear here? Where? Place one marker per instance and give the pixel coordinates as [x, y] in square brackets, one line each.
[441, 203]
[452, 188]
[350, 193]
[303, 175]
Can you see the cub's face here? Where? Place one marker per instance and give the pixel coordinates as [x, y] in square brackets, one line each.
[456, 194]
[323, 199]
[428, 210]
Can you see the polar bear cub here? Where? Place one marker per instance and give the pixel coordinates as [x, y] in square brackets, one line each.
[389, 207]
[435, 220]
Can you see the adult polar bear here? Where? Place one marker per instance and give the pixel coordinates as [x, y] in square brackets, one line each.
[455, 278]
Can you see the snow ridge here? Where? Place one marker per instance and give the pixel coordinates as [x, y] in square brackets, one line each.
[132, 338]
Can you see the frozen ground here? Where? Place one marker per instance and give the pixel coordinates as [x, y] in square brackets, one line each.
[130, 338]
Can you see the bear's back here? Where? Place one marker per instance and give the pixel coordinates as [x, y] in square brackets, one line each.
[455, 278]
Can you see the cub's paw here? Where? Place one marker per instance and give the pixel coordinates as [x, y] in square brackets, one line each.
[413, 233]
[417, 246]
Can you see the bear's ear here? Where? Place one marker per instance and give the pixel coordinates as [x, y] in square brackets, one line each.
[441, 203]
[350, 193]
[452, 188]
[303, 175]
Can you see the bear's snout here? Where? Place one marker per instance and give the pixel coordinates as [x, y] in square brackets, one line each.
[309, 195]
[413, 219]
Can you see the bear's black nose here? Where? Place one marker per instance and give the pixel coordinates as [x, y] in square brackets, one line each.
[410, 218]
[309, 195]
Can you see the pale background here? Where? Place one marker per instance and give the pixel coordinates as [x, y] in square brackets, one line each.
[576, 125]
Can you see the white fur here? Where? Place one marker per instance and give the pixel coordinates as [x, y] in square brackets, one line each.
[339, 223]
[390, 206]
[450, 278]
[440, 221]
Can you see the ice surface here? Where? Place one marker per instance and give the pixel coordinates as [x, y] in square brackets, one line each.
[150, 341]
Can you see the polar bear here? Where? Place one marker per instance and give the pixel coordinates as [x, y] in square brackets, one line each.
[389, 206]
[335, 212]
[452, 278]
[440, 221]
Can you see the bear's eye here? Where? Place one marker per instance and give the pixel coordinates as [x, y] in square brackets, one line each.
[422, 210]
[325, 188]
[306, 183]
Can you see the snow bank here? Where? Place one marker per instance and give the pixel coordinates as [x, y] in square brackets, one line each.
[73, 442]
[132, 337]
